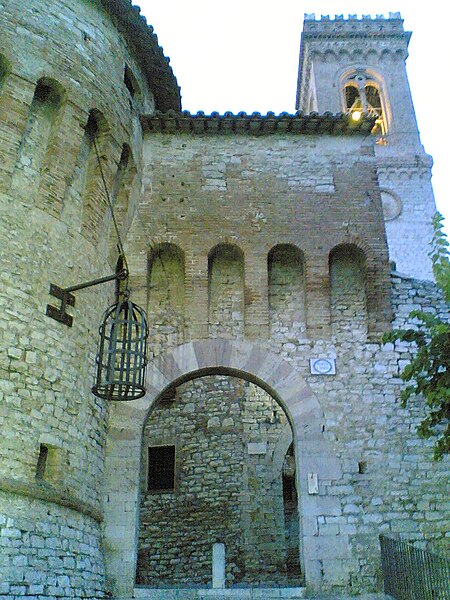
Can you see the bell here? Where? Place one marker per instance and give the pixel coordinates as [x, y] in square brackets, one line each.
[122, 353]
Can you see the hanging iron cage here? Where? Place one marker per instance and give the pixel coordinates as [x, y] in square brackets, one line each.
[122, 353]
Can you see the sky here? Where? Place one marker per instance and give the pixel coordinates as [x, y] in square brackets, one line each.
[242, 55]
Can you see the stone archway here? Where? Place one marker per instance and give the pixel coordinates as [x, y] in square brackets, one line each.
[246, 360]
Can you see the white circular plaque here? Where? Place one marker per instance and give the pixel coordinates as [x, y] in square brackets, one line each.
[323, 366]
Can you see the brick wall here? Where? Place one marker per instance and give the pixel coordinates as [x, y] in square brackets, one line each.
[270, 191]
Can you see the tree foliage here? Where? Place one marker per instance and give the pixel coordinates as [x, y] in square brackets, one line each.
[440, 256]
[428, 374]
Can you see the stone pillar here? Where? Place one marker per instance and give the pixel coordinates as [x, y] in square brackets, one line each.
[256, 297]
[121, 507]
[317, 297]
[196, 296]
[218, 565]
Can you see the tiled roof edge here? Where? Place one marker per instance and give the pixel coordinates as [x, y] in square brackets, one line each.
[255, 123]
[150, 55]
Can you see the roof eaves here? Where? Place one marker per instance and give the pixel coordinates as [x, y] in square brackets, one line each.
[256, 124]
[144, 41]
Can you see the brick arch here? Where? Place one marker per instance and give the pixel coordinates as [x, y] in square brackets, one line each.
[286, 246]
[377, 282]
[225, 246]
[358, 250]
[353, 241]
[250, 361]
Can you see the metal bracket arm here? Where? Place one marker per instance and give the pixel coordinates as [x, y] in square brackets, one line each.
[68, 299]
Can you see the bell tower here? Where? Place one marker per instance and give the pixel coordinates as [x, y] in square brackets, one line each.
[358, 66]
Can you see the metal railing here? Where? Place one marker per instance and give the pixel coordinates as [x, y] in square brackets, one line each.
[411, 573]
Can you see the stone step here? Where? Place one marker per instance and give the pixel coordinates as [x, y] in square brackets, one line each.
[291, 593]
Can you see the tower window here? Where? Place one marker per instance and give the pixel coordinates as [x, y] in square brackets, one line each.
[161, 468]
[362, 94]
[374, 107]
[48, 467]
[130, 81]
[351, 96]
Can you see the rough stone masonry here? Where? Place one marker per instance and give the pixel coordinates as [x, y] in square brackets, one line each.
[260, 247]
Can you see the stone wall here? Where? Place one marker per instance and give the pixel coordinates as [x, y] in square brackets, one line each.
[230, 438]
[62, 89]
[273, 241]
[388, 482]
[311, 245]
[48, 551]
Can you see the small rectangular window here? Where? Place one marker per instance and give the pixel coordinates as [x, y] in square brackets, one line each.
[161, 468]
[49, 465]
[42, 461]
[130, 81]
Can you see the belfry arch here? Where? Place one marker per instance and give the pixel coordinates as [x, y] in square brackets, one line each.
[249, 361]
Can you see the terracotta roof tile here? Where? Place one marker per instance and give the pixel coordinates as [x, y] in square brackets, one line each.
[144, 41]
[255, 123]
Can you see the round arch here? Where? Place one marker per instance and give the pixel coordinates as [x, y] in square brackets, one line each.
[250, 361]
[247, 360]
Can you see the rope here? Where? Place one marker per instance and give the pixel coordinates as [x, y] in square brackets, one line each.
[119, 291]
[119, 241]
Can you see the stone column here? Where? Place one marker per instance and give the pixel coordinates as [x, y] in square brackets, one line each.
[218, 565]
[121, 507]
[256, 297]
[317, 297]
[196, 297]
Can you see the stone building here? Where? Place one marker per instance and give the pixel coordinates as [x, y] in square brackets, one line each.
[263, 249]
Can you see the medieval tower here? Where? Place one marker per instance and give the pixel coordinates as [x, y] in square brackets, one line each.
[270, 253]
[349, 65]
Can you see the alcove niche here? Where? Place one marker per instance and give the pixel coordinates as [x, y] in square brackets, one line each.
[226, 292]
[166, 296]
[348, 298]
[287, 303]
[122, 197]
[95, 164]
[42, 125]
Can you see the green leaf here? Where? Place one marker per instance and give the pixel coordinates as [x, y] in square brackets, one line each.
[429, 370]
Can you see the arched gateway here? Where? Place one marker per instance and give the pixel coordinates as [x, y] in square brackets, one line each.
[316, 460]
